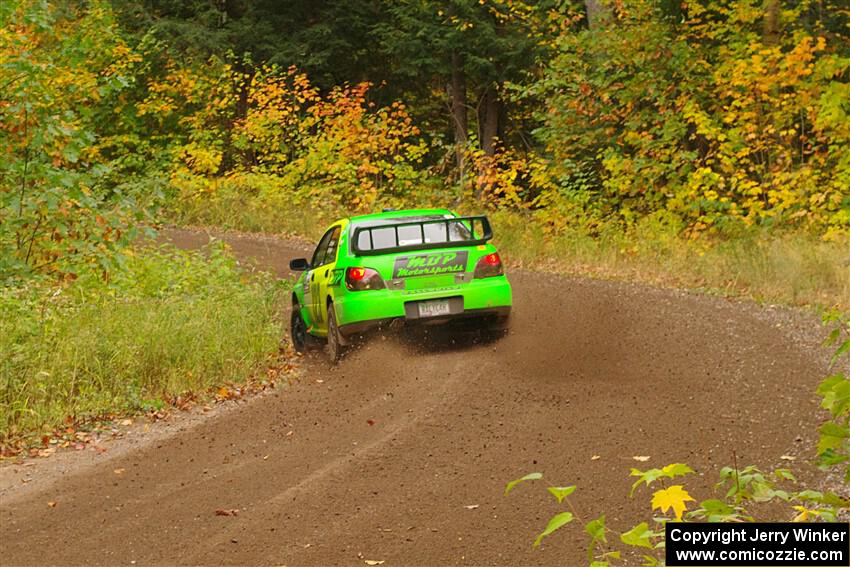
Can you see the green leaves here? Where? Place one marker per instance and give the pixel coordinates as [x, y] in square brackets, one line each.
[530, 476]
[695, 133]
[596, 530]
[638, 536]
[834, 442]
[835, 391]
[714, 510]
[557, 522]
[561, 492]
[648, 477]
[842, 349]
[832, 436]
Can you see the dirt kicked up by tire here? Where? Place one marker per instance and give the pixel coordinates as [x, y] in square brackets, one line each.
[401, 452]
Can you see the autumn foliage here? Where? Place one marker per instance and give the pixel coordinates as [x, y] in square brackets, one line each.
[62, 80]
[702, 118]
[702, 122]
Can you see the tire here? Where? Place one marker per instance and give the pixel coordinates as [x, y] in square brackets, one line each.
[336, 344]
[502, 324]
[497, 329]
[298, 330]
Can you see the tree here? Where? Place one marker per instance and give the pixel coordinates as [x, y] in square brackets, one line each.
[472, 48]
[328, 39]
[597, 13]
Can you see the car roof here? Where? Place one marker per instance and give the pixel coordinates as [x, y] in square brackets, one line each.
[388, 215]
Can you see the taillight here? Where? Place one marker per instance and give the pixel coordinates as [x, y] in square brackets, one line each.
[362, 279]
[489, 265]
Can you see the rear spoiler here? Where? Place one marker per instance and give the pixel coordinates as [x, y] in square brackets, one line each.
[478, 228]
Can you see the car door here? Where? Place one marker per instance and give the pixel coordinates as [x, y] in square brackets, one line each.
[310, 290]
[324, 260]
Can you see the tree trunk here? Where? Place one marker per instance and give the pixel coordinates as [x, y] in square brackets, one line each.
[770, 29]
[488, 118]
[460, 124]
[598, 12]
[230, 154]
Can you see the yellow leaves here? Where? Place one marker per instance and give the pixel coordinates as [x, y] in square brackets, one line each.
[673, 498]
[803, 514]
[202, 160]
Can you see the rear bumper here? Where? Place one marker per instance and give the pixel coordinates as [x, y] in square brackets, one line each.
[494, 313]
[358, 312]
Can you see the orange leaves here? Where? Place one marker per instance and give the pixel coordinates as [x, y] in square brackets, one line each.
[498, 178]
[337, 145]
[293, 131]
[277, 107]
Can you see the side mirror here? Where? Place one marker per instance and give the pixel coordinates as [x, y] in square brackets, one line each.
[299, 265]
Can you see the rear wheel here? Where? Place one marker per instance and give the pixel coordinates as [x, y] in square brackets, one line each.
[497, 328]
[502, 324]
[336, 347]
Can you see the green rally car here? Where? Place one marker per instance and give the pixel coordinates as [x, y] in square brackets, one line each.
[415, 266]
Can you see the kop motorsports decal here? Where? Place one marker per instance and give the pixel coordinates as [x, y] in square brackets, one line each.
[430, 264]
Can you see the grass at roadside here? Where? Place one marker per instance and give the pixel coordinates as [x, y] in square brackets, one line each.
[170, 322]
[250, 203]
[792, 269]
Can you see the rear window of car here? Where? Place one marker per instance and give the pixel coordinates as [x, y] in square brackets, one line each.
[383, 238]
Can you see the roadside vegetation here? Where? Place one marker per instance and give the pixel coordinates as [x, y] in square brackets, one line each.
[96, 322]
[791, 268]
[169, 327]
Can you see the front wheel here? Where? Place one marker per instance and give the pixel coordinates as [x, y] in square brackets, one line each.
[336, 347]
[298, 330]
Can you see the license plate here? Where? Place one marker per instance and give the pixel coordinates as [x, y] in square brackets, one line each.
[434, 308]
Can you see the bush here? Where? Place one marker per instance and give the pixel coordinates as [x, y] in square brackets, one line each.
[167, 323]
[792, 268]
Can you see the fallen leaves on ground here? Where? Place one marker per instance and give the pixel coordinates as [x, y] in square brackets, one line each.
[79, 433]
